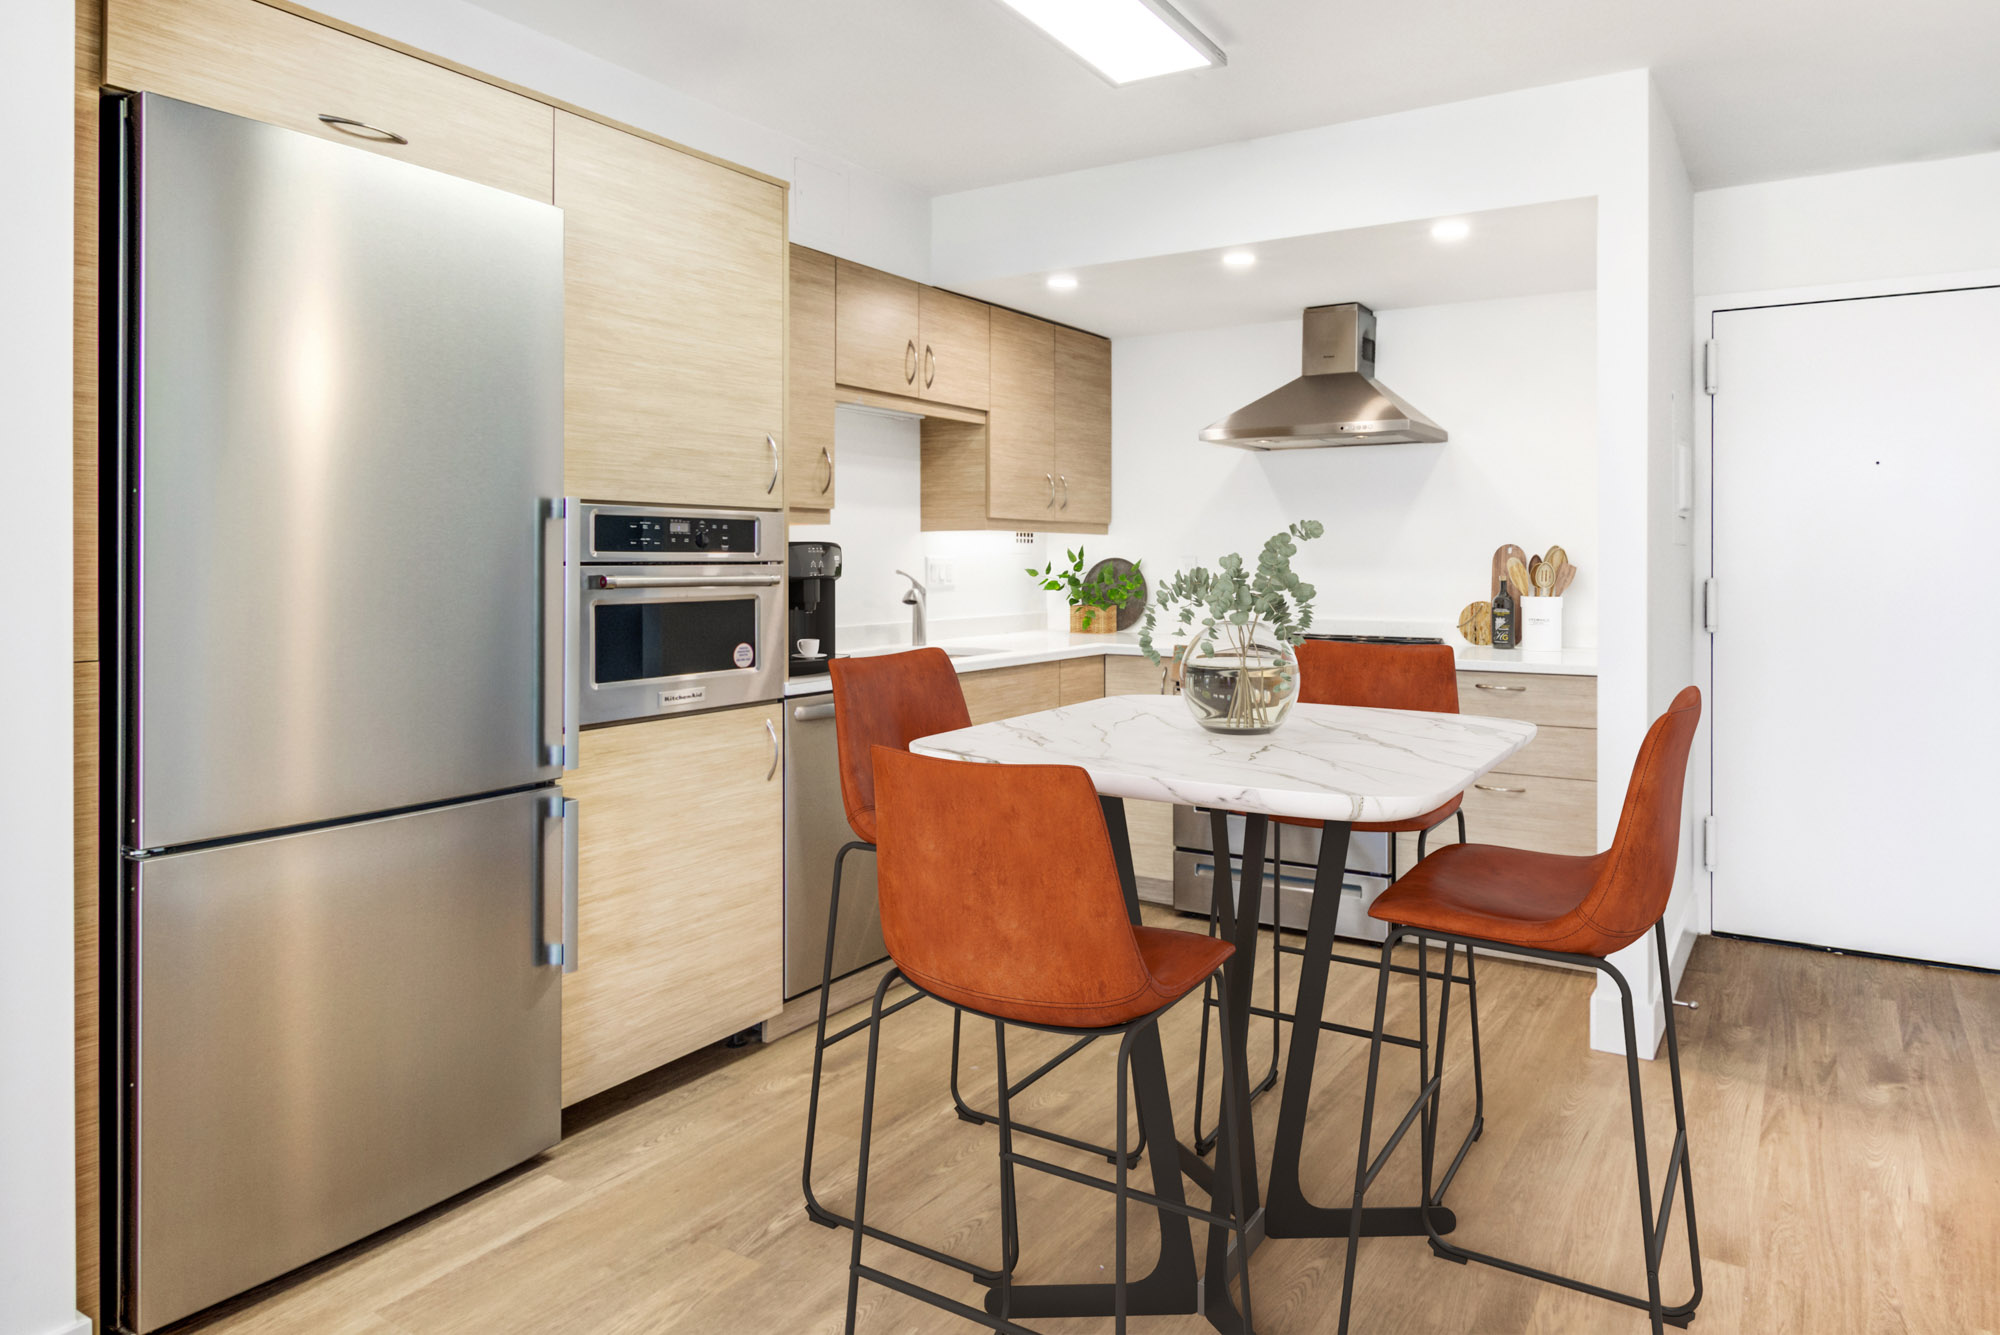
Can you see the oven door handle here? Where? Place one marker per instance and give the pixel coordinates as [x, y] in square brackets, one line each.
[683, 581]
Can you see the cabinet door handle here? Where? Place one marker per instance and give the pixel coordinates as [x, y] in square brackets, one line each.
[1495, 788]
[772, 730]
[772, 485]
[1489, 686]
[910, 363]
[1052, 490]
[1064, 478]
[930, 366]
[826, 453]
[362, 130]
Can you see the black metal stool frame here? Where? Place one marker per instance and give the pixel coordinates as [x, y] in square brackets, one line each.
[1278, 1015]
[1653, 1223]
[1172, 1279]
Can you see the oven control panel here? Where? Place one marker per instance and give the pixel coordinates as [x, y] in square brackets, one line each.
[662, 532]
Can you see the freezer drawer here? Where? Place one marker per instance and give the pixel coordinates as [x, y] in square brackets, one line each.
[334, 1030]
[346, 594]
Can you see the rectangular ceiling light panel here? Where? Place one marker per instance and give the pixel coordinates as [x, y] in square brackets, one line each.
[1124, 40]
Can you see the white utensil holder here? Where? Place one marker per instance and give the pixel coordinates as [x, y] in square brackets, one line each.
[1541, 623]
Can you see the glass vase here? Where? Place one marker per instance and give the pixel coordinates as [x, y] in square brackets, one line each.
[1241, 689]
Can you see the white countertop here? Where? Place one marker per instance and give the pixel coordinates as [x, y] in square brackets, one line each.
[1324, 762]
[976, 653]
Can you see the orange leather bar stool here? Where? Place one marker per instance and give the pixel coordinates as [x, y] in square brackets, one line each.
[1001, 897]
[887, 701]
[1572, 910]
[1364, 676]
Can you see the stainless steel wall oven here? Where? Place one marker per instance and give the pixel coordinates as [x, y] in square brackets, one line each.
[675, 609]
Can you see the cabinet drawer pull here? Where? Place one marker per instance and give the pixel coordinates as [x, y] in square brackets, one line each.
[910, 363]
[772, 485]
[1489, 686]
[930, 366]
[362, 130]
[826, 453]
[772, 730]
[1495, 788]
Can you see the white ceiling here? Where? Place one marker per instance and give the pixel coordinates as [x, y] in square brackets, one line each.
[946, 95]
[1510, 253]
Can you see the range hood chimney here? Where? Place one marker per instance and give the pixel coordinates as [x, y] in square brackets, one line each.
[1335, 401]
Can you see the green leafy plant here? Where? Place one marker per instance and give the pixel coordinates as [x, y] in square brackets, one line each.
[1234, 607]
[1108, 590]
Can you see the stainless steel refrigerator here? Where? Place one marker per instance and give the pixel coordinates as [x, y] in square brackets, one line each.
[336, 906]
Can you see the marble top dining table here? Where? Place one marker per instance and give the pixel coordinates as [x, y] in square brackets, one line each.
[1324, 762]
[1334, 764]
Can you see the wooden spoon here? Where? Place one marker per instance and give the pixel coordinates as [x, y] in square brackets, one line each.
[1545, 579]
[1556, 557]
[1534, 564]
[1517, 573]
[1563, 578]
[1501, 557]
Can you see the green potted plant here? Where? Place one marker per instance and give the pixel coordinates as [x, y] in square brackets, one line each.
[1239, 673]
[1094, 600]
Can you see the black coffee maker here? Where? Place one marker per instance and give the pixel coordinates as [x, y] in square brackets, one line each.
[813, 566]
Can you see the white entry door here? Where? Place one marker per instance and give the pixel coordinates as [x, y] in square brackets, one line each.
[1856, 691]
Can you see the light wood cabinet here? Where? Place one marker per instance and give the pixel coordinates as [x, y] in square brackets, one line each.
[1081, 679]
[253, 60]
[955, 349]
[998, 693]
[1021, 421]
[680, 892]
[1082, 428]
[675, 271]
[809, 418]
[878, 342]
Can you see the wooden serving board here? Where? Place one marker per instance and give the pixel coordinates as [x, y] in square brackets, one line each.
[1501, 557]
[1475, 623]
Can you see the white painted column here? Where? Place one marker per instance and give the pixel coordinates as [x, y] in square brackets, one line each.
[37, 1105]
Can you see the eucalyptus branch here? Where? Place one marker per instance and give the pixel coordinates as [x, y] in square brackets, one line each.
[1235, 605]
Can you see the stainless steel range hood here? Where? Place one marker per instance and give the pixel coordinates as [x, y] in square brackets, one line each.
[1336, 401]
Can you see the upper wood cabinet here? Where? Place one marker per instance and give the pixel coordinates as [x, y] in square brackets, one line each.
[1083, 428]
[680, 891]
[252, 60]
[675, 272]
[1021, 421]
[879, 330]
[954, 347]
[809, 461]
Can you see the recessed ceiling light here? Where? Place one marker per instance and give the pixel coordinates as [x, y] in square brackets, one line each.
[1062, 282]
[1449, 230]
[1123, 40]
[1238, 259]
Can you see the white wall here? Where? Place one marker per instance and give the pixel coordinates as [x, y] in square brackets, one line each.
[836, 206]
[876, 522]
[37, 1033]
[1410, 528]
[1912, 220]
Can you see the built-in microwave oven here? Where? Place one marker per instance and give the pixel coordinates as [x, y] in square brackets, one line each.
[674, 609]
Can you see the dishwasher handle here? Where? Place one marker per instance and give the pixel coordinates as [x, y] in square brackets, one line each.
[817, 710]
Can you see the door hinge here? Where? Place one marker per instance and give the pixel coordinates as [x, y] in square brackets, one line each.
[1710, 617]
[1711, 367]
[1708, 843]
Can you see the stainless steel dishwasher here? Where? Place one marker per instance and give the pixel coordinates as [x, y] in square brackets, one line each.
[815, 828]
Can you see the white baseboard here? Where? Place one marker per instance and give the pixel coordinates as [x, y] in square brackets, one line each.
[77, 1325]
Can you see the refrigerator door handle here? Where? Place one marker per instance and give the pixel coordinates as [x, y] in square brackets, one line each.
[558, 909]
[556, 736]
[572, 643]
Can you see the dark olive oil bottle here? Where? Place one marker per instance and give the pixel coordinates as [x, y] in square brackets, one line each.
[1506, 632]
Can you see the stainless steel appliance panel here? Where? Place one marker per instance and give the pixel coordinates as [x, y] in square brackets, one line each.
[349, 437]
[815, 828]
[338, 1028]
[1194, 888]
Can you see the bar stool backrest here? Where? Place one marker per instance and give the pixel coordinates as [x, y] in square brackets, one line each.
[1635, 876]
[999, 891]
[1379, 676]
[889, 701]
